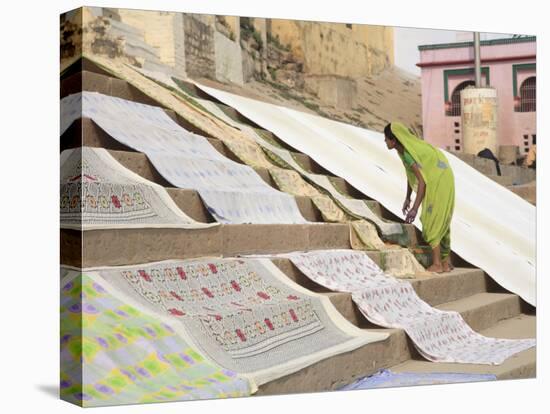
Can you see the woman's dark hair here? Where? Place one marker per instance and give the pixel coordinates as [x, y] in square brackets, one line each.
[388, 132]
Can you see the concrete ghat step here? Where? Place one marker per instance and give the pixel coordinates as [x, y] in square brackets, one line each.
[435, 290]
[96, 82]
[346, 368]
[337, 371]
[113, 247]
[521, 365]
[525, 191]
[504, 180]
[481, 312]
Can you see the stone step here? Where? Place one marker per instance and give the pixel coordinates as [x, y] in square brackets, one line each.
[518, 174]
[526, 191]
[484, 310]
[521, 365]
[504, 180]
[480, 311]
[333, 373]
[435, 289]
[112, 247]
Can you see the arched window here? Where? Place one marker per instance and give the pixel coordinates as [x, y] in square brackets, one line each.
[454, 108]
[528, 95]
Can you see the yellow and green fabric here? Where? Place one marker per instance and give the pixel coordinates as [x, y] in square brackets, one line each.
[112, 353]
[439, 199]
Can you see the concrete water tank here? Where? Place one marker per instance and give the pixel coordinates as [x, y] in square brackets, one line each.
[479, 119]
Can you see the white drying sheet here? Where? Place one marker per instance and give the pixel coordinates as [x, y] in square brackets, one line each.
[234, 193]
[492, 228]
[97, 192]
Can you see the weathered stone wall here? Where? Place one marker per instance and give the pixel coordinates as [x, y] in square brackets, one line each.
[335, 48]
[229, 63]
[161, 30]
[199, 47]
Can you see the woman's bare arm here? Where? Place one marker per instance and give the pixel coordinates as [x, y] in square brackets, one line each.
[420, 191]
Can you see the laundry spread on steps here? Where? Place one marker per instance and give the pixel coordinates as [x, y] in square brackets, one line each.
[286, 159]
[245, 315]
[114, 353]
[97, 192]
[244, 148]
[492, 228]
[234, 193]
[440, 336]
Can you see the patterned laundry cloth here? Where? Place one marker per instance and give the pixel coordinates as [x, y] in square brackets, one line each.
[291, 182]
[234, 193]
[112, 353]
[245, 315]
[440, 336]
[386, 379]
[98, 192]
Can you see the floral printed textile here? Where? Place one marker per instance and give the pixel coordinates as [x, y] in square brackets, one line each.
[98, 192]
[440, 336]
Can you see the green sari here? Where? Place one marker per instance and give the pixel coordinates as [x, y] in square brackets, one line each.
[439, 198]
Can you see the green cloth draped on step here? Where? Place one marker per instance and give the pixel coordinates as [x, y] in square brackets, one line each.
[439, 199]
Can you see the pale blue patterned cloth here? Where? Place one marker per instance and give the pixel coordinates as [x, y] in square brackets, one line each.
[386, 379]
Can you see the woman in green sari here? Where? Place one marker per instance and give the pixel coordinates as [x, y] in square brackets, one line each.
[430, 176]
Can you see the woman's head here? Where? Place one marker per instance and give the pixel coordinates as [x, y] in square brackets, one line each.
[389, 138]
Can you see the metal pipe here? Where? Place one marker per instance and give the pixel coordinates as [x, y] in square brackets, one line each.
[477, 60]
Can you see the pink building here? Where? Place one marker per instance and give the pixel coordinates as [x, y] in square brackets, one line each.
[508, 65]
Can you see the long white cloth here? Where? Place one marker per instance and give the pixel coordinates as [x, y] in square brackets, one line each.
[492, 228]
[234, 193]
[440, 336]
[97, 192]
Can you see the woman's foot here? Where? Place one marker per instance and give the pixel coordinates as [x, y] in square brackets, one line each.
[435, 268]
[447, 265]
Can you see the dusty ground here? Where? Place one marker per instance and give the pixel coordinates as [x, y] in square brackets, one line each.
[393, 95]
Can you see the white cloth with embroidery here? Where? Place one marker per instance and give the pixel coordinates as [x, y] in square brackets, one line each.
[233, 192]
[492, 228]
[356, 207]
[97, 192]
[440, 336]
[243, 314]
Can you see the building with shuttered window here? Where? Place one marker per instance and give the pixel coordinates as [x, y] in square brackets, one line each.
[508, 65]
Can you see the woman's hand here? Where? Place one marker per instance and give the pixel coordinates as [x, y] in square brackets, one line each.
[411, 215]
[406, 205]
